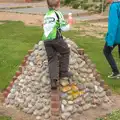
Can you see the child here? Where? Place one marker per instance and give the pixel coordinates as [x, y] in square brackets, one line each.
[113, 36]
[54, 23]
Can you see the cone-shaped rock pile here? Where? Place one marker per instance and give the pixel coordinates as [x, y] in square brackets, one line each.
[31, 92]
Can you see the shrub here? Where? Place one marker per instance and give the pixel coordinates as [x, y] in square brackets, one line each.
[86, 6]
[66, 2]
[75, 5]
[96, 6]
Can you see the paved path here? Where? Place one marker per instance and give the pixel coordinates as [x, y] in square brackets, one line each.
[14, 5]
[40, 8]
[36, 9]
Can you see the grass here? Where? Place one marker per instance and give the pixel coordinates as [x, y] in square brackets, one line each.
[16, 39]
[5, 118]
[112, 116]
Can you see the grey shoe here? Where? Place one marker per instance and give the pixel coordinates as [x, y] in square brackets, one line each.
[66, 74]
[54, 84]
[114, 75]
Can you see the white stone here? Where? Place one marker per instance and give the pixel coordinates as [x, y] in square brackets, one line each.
[36, 112]
[47, 116]
[65, 115]
[46, 109]
[62, 107]
[91, 75]
[29, 105]
[70, 102]
[25, 110]
[69, 108]
[38, 117]
[64, 102]
[96, 88]
[31, 64]
[82, 64]
[86, 106]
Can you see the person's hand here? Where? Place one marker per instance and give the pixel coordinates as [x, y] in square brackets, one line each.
[111, 47]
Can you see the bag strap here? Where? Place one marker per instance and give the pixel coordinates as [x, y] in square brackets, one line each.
[57, 16]
[59, 35]
[58, 19]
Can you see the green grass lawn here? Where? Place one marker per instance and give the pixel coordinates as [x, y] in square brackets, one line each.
[16, 39]
[112, 116]
[5, 118]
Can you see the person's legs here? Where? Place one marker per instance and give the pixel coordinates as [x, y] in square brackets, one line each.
[62, 48]
[107, 52]
[53, 63]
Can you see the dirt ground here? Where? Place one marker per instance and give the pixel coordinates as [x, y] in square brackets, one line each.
[91, 114]
[28, 19]
[89, 29]
[100, 111]
[37, 20]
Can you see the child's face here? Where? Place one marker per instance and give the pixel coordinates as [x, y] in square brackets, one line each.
[109, 1]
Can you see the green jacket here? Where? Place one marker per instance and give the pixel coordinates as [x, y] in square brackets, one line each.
[53, 21]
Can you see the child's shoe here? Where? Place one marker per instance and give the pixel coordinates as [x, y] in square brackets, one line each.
[66, 74]
[54, 84]
[114, 75]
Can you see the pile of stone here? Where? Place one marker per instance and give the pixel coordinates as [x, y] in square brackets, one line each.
[85, 90]
[31, 91]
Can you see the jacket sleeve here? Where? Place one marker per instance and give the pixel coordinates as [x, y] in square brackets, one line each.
[112, 25]
[63, 24]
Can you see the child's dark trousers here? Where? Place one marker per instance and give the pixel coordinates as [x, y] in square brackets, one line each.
[57, 65]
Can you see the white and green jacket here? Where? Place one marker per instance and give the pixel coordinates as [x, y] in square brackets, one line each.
[53, 22]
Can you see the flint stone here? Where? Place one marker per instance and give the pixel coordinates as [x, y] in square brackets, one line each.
[64, 102]
[25, 110]
[36, 112]
[69, 108]
[65, 115]
[46, 109]
[102, 94]
[64, 82]
[89, 85]
[80, 110]
[47, 116]
[11, 96]
[86, 107]
[38, 117]
[82, 64]
[70, 102]
[31, 110]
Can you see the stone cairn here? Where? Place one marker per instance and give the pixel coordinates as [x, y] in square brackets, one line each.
[30, 90]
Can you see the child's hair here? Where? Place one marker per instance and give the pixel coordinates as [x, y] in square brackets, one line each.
[53, 3]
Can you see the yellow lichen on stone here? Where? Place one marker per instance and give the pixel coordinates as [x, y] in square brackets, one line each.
[76, 94]
[66, 89]
[70, 97]
[81, 92]
[74, 88]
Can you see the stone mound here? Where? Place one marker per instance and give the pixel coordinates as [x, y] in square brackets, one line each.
[31, 90]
